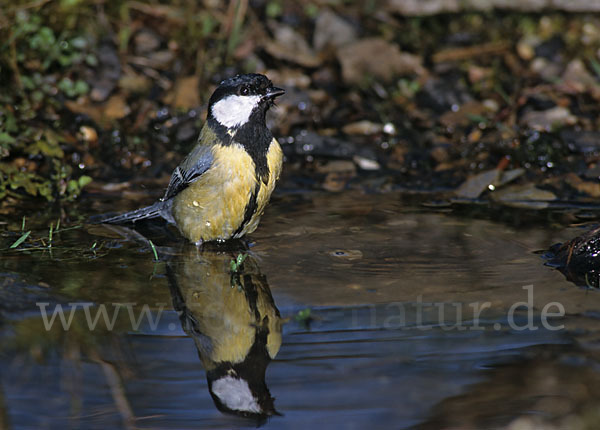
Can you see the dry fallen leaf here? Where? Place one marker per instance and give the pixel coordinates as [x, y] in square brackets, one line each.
[377, 58]
[185, 93]
[526, 196]
[473, 187]
[576, 80]
[289, 45]
[592, 189]
[116, 107]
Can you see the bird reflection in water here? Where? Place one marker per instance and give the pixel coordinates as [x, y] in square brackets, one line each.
[225, 305]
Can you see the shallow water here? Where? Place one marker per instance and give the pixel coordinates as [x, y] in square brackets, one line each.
[410, 325]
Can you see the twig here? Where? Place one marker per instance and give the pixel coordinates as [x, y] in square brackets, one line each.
[458, 54]
[13, 62]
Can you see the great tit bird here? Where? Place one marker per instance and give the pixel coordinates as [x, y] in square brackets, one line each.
[220, 190]
[228, 310]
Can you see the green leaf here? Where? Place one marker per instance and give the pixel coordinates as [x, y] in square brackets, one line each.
[303, 315]
[27, 82]
[154, 250]
[240, 259]
[37, 96]
[208, 24]
[311, 10]
[596, 66]
[81, 87]
[65, 60]
[6, 138]
[20, 240]
[72, 186]
[45, 190]
[84, 180]
[46, 148]
[273, 9]
[24, 180]
[65, 84]
[10, 123]
[91, 60]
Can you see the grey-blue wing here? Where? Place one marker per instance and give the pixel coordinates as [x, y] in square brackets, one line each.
[193, 166]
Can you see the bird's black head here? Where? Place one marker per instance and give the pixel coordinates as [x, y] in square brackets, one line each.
[236, 99]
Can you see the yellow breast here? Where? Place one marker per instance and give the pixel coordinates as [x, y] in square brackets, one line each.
[213, 207]
[274, 161]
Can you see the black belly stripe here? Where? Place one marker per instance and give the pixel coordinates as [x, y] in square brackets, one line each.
[251, 207]
[254, 136]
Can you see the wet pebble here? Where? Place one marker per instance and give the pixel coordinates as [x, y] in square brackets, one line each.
[107, 74]
[362, 127]
[88, 134]
[547, 70]
[549, 119]
[441, 94]
[581, 141]
[526, 47]
[366, 163]
[146, 41]
[332, 31]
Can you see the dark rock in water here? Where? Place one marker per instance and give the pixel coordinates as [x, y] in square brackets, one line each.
[539, 102]
[550, 48]
[581, 141]
[442, 95]
[578, 259]
[107, 74]
[310, 143]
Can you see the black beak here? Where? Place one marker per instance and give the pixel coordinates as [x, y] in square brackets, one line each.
[274, 92]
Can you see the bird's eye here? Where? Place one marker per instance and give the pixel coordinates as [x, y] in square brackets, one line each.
[244, 91]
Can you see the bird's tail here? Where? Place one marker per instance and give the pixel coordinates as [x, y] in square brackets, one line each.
[161, 208]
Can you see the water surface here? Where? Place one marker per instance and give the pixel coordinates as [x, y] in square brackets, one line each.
[410, 325]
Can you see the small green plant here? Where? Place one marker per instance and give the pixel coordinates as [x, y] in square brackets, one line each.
[50, 233]
[42, 63]
[303, 317]
[408, 87]
[153, 250]
[274, 9]
[73, 88]
[20, 240]
[74, 186]
[32, 36]
[236, 264]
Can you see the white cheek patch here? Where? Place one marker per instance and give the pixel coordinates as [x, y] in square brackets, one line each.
[235, 394]
[233, 111]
